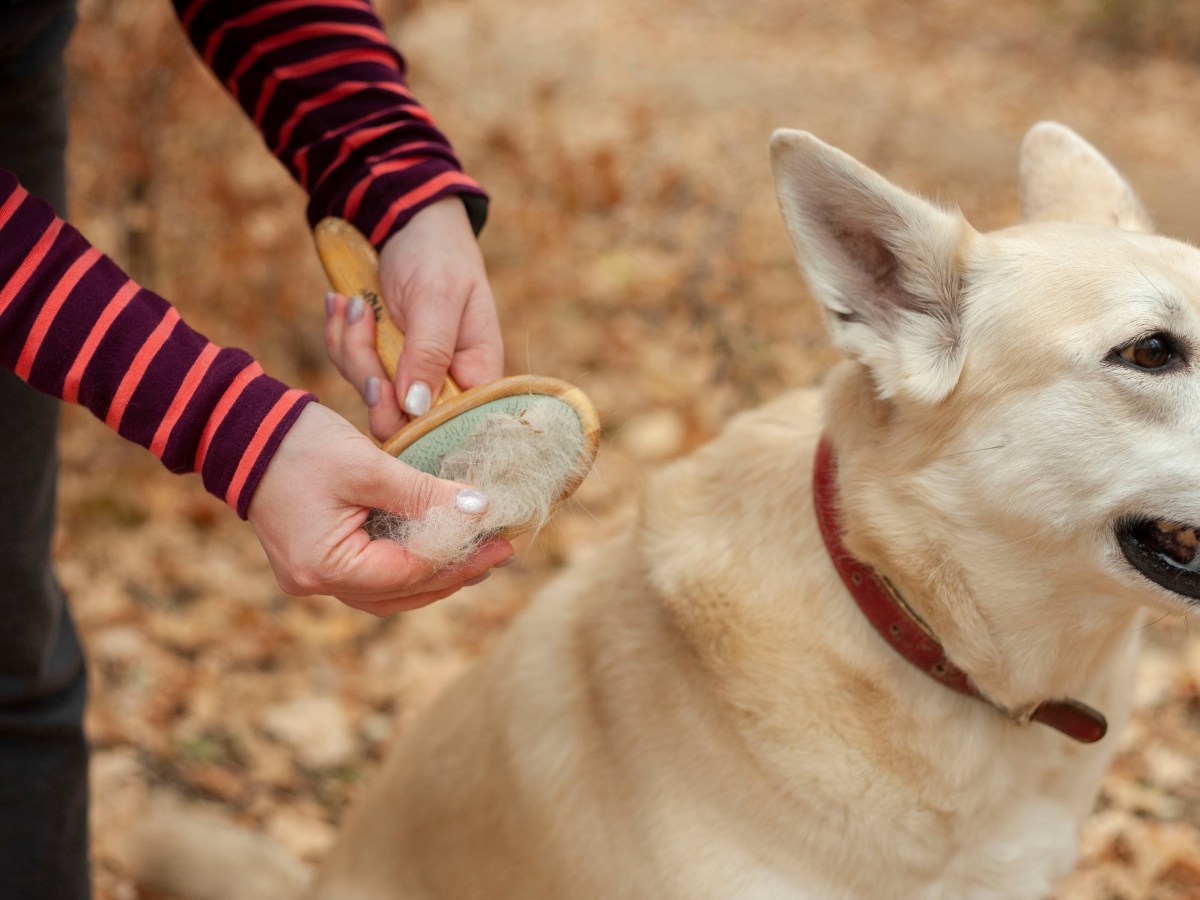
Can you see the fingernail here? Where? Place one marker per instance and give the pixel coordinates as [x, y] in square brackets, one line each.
[471, 501]
[371, 390]
[478, 578]
[355, 310]
[507, 561]
[418, 399]
[329, 298]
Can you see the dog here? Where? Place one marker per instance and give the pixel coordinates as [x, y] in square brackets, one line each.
[867, 642]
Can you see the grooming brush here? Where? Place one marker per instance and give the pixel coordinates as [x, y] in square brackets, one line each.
[527, 441]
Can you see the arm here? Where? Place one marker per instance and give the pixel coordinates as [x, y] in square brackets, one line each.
[73, 325]
[327, 91]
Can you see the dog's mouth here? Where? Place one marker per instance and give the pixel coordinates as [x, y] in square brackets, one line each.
[1166, 552]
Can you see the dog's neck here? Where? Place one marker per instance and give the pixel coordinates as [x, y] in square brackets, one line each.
[907, 633]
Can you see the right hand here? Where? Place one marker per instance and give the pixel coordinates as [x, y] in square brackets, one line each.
[436, 290]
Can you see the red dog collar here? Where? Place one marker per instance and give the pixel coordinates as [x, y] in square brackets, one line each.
[901, 627]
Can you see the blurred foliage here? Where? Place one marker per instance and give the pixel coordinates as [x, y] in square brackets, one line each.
[1141, 27]
[636, 250]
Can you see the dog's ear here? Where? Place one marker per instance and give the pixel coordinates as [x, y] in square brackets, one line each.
[1063, 178]
[884, 262]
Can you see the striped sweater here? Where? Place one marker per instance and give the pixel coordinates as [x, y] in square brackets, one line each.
[327, 91]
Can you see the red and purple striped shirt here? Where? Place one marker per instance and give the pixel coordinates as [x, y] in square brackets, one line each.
[327, 91]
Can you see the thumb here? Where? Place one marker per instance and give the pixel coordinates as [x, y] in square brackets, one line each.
[392, 486]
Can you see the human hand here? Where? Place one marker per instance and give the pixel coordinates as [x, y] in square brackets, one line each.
[313, 499]
[436, 290]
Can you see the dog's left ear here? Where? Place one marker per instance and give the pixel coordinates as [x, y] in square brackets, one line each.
[884, 262]
[1063, 178]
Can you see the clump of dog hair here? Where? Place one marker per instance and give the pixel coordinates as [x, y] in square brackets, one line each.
[523, 462]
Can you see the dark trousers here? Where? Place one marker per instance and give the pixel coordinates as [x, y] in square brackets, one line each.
[43, 688]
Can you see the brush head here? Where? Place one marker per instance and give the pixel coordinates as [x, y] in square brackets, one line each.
[558, 407]
[527, 442]
[506, 437]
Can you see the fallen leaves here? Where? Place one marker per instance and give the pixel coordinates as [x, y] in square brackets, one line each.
[636, 251]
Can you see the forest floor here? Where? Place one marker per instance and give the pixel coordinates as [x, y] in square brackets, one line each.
[636, 250]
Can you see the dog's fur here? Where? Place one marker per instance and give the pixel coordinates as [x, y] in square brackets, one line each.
[701, 711]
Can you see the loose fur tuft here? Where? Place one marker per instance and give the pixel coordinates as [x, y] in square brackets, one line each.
[522, 462]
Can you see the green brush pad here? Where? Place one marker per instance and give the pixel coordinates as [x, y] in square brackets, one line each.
[427, 453]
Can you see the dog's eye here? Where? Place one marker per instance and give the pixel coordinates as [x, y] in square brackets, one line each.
[1151, 352]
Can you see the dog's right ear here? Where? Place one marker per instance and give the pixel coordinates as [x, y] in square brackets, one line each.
[1063, 178]
[885, 263]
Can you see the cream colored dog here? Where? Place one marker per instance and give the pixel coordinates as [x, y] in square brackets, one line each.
[703, 711]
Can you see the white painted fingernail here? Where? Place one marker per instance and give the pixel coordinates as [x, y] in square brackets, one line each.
[471, 501]
[471, 582]
[355, 310]
[372, 391]
[418, 399]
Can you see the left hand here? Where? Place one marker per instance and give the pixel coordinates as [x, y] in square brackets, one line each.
[309, 508]
[436, 290]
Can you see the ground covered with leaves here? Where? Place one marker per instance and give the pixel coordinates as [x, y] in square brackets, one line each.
[635, 250]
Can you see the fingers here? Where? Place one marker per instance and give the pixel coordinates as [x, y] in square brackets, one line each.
[375, 592]
[350, 343]
[384, 578]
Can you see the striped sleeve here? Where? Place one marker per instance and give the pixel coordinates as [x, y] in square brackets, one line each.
[326, 89]
[73, 325]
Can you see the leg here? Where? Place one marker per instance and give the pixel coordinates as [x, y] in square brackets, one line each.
[43, 754]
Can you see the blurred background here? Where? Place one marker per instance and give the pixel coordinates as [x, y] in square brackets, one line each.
[635, 250]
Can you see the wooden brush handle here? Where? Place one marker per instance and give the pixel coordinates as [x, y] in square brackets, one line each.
[353, 268]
